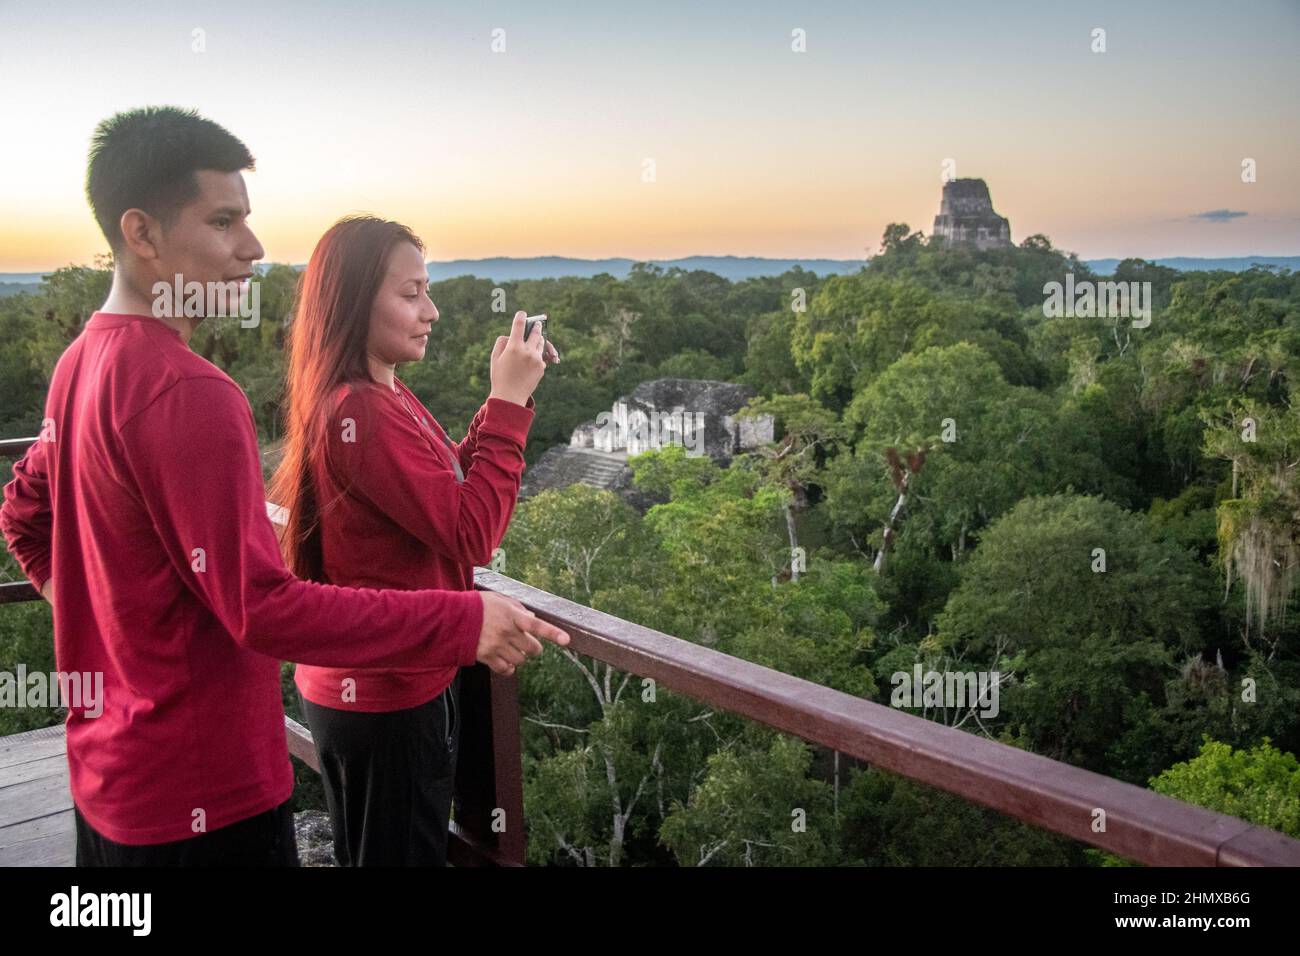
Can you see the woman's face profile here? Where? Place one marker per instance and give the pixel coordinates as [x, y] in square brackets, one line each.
[402, 313]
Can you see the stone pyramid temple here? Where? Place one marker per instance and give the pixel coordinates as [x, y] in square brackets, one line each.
[966, 216]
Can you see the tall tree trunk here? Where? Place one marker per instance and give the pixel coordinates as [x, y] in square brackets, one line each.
[794, 540]
[879, 564]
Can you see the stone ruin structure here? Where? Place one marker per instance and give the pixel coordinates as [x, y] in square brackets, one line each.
[694, 413]
[966, 216]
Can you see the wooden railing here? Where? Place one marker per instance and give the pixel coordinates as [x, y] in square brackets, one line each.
[1139, 824]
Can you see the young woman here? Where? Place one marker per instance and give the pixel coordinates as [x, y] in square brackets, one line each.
[378, 496]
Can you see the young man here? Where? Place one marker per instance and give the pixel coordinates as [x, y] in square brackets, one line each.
[140, 516]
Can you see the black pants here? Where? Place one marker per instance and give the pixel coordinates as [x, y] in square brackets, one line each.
[388, 779]
[266, 839]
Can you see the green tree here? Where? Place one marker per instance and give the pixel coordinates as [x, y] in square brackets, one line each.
[755, 808]
[1258, 538]
[1260, 785]
[1076, 596]
[791, 462]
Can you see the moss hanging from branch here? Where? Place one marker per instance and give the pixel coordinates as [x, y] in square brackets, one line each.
[1259, 532]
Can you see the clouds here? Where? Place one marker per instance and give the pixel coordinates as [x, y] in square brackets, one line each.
[1219, 215]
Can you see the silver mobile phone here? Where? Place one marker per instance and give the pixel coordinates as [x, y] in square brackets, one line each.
[539, 322]
[534, 321]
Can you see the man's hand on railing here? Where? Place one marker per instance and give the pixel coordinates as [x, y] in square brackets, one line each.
[47, 591]
[509, 633]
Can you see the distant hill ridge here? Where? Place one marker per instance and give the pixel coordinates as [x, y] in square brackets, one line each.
[745, 267]
[505, 269]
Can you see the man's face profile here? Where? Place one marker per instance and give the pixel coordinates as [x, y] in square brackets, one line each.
[209, 239]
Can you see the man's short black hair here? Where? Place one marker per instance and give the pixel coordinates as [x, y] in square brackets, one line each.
[146, 159]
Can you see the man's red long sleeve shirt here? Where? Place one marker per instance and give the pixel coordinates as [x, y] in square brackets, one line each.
[144, 501]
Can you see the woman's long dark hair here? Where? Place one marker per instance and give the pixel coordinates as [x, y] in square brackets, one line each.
[327, 347]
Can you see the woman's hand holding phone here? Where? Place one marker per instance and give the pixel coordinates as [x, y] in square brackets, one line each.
[517, 365]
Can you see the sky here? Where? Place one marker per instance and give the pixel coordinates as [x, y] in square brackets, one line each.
[405, 110]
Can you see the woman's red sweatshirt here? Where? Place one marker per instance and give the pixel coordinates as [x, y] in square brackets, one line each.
[402, 506]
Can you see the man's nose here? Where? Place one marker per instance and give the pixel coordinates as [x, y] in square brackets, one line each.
[251, 250]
